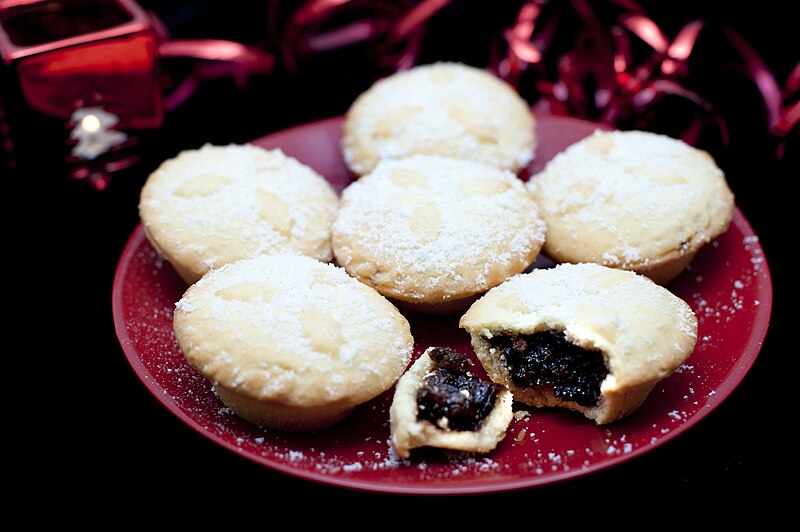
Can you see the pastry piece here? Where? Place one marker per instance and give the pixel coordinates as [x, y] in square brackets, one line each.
[217, 204]
[291, 343]
[447, 109]
[585, 337]
[433, 232]
[438, 402]
[632, 200]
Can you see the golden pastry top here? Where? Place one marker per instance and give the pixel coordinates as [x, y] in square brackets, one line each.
[631, 199]
[644, 331]
[216, 204]
[293, 330]
[432, 229]
[447, 109]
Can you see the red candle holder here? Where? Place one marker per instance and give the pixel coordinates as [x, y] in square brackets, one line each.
[80, 79]
[90, 66]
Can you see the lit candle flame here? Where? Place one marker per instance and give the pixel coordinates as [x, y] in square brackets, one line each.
[90, 123]
[94, 133]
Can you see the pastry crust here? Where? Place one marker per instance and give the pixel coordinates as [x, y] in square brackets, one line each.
[643, 331]
[432, 230]
[218, 204]
[408, 432]
[447, 109]
[289, 342]
[632, 200]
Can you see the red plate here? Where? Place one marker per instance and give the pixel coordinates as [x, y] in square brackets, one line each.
[728, 286]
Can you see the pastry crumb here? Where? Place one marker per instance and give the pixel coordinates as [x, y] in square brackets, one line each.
[521, 414]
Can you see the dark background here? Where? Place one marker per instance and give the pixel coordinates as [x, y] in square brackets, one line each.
[103, 441]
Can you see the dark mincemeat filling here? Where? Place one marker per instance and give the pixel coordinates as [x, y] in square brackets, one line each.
[442, 392]
[548, 359]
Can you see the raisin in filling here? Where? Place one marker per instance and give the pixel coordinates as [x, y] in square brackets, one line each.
[548, 359]
[451, 391]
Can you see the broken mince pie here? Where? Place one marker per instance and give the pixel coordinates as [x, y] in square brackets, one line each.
[585, 337]
[439, 402]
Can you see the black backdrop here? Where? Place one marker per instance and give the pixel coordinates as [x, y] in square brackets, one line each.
[91, 437]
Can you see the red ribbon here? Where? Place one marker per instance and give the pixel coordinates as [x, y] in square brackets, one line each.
[622, 88]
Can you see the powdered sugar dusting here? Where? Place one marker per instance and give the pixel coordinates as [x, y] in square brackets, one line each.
[275, 301]
[196, 204]
[626, 198]
[444, 109]
[484, 223]
[628, 315]
[731, 298]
